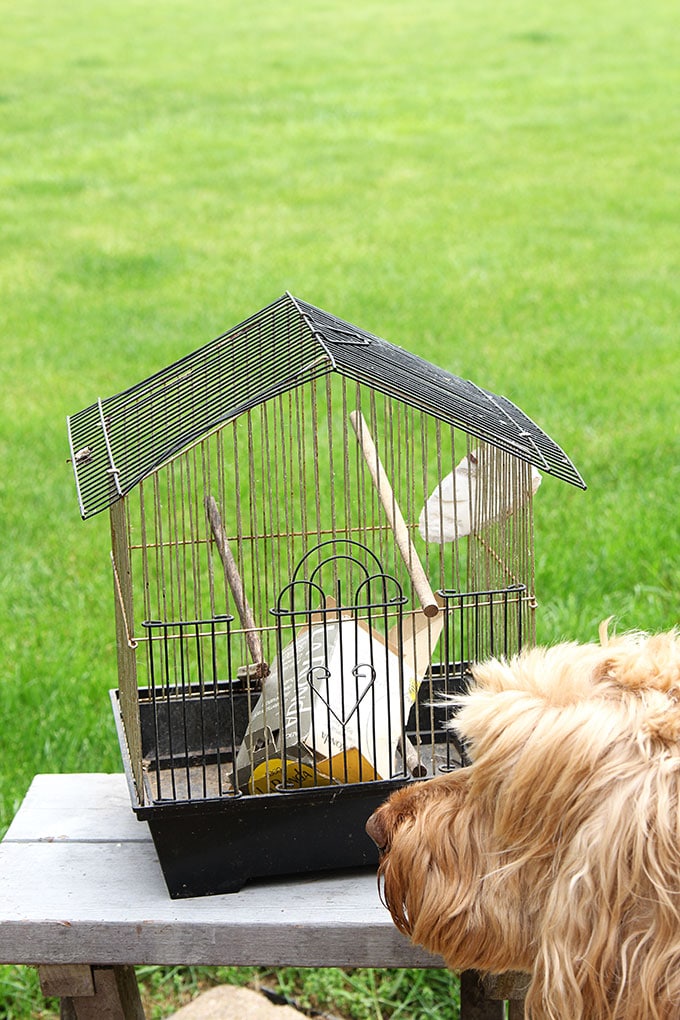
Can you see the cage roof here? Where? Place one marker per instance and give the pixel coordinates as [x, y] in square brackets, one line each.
[118, 441]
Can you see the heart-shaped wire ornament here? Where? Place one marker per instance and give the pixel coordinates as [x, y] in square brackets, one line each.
[326, 675]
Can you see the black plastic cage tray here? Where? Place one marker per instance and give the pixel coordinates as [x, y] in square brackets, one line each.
[215, 844]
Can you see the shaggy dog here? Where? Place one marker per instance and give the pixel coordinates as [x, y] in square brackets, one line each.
[557, 851]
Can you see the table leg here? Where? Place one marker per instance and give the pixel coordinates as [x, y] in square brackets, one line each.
[474, 1003]
[93, 993]
[512, 987]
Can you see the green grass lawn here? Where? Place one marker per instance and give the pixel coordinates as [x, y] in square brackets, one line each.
[491, 185]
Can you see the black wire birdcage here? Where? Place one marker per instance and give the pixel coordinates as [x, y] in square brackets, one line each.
[315, 535]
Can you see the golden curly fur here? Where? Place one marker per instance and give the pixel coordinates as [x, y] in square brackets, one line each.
[557, 851]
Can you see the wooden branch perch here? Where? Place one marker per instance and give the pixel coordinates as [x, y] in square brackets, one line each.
[259, 669]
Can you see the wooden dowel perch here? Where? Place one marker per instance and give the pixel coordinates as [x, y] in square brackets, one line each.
[396, 521]
[259, 668]
[412, 758]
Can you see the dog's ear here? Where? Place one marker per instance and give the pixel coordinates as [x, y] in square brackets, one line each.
[530, 761]
[608, 942]
[540, 751]
[418, 827]
[446, 888]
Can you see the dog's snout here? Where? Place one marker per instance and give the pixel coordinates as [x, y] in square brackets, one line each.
[376, 830]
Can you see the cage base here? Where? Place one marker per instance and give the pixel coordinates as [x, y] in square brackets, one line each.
[212, 845]
[204, 853]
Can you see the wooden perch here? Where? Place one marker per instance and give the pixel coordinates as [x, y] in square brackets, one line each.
[259, 668]
[411, 757]
[419, 578]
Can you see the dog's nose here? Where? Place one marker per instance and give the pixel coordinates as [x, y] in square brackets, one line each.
[375, 829]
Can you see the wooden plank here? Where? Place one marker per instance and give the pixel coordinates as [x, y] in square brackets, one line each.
[78, 885]
[474, 1004]
[116, 996]
[510, 985]
[516, 1009]
[66, 980]
[75, 807]
[107, 903]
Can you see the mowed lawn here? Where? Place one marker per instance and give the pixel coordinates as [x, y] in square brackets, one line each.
[494, 186]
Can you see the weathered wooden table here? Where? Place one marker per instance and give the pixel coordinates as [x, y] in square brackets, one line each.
[82, 898]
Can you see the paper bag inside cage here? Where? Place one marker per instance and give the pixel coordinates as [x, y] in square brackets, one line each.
[345, 694]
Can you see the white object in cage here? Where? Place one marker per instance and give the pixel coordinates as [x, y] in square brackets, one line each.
[344, 695]
[457, 505]
[360, 699]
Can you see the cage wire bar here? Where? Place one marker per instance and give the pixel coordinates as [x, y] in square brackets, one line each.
[193, 724]
[289, 475]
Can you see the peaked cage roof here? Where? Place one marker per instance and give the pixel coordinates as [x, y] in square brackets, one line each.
[117, 442]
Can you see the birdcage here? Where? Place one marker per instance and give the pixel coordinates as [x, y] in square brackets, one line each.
[315, 533]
